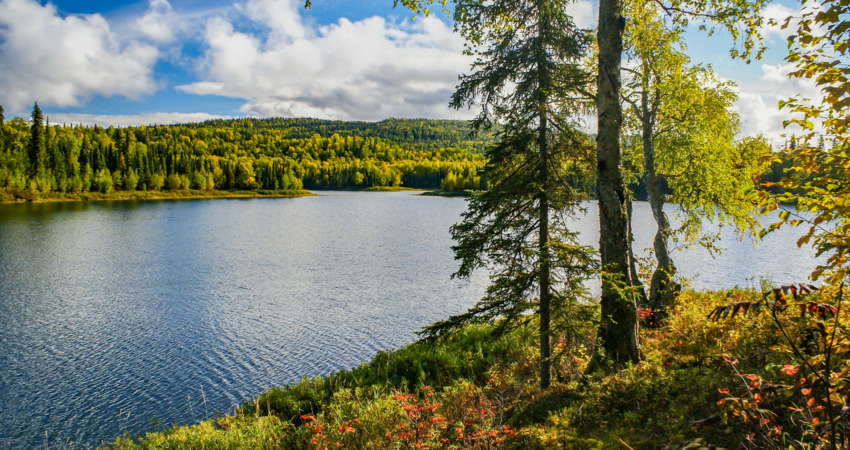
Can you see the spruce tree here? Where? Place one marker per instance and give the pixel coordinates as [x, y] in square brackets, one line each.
[525, 79]
[36, 148]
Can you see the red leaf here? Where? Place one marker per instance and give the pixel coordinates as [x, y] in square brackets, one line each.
[789, 370]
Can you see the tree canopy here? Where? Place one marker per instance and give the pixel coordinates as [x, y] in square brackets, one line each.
[683, 127]
[240, 154]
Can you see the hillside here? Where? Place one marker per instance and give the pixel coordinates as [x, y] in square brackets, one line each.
[243, 154]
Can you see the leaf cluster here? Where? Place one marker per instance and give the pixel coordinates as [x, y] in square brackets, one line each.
[498, 231]
[811, 409]
[818, 184]
[685, 113]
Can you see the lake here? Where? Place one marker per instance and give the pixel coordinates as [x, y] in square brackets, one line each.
[119, 316]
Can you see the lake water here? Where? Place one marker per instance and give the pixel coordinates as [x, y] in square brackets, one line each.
[115, 316]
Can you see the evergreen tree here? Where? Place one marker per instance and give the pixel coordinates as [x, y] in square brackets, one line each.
[525, 79]
[36, 148]
[2, 117]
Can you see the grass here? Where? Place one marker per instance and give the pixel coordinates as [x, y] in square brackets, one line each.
[481, 390]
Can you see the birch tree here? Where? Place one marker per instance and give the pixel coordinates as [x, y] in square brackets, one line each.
[682, 114]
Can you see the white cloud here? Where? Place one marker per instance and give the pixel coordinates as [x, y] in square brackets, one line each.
[280, 16]
[777, 13]
[758, 101]
[159, 118]
[159, 24]
[583, 12]
[62, 61]
[368, 70]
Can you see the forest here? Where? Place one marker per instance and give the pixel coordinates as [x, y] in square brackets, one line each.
[253, 154]
[37, 157]
[415, 134]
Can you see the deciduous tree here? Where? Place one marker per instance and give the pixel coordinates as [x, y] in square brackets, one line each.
[820, 186]
[618, 336]
[682, 114]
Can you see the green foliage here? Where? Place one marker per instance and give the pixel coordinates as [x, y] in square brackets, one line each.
[36, 144]
[807, 405]
[817, 184]
[103, 181]
[742, 19]
[227, 432]
[410, 420]
[409, 134]
[683, 142]
[695, 383]
[525, 76]
[468, 354]
[234, 155]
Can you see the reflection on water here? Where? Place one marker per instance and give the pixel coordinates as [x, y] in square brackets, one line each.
[117, 314]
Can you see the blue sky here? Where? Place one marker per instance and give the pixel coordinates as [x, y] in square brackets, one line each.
[163, 61]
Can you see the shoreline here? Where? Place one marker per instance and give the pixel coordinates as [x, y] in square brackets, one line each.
[435, 193]
[192, 194]
[156, 195]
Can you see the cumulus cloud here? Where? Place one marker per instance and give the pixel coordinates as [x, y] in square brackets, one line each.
[775, 15]
[159, 24]
[280, 16]
[158, 118]
[368, 70]
[62, 61]
[758, 101]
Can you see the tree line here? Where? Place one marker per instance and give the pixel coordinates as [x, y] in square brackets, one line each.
[414, 134]
[244, 154]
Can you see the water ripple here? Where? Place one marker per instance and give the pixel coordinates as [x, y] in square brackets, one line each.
[117, 316]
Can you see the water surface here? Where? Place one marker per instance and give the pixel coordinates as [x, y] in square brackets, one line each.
[115, 316]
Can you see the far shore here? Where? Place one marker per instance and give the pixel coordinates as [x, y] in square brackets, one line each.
[155, 195]
[192, 194]
[463, 193]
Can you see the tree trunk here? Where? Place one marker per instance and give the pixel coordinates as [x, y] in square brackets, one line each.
[543, 243]
[662, 288]
[617, 333]
[543, 212]
[640, 291]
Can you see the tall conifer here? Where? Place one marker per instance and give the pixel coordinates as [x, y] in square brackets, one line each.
[525, 79]
[35, 150]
